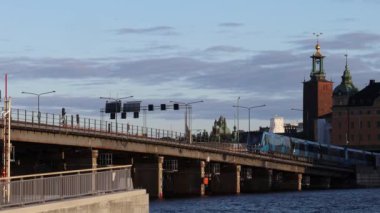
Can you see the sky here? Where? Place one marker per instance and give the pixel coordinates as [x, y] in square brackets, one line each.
[162, 51]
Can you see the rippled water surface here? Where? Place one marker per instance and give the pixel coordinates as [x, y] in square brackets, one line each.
[356, 200]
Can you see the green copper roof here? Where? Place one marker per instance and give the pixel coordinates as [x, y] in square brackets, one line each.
[346, 87]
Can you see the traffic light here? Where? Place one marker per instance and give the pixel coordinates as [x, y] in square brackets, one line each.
[135, 114]
[176, 106]
[112, 115]
[63, 112]
[123, 115]
[150, 107]
[163, 106]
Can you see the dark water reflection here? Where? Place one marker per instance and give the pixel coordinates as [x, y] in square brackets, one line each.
[356, 200]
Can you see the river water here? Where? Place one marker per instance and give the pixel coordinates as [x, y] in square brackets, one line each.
[353, 200]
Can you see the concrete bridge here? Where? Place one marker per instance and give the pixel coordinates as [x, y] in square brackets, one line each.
[163, 162]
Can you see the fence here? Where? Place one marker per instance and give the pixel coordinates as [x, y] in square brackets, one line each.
[89, 124]
[39, 188]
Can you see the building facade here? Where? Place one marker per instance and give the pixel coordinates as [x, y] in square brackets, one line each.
[317, 95]
[357, 123]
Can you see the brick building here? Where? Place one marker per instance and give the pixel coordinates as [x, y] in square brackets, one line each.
[356, 116]
[317, 95]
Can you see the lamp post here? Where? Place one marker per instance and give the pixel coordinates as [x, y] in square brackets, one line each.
[188, 118]
[116, 100]
[237, 115]
[38, 100]
[249, 116]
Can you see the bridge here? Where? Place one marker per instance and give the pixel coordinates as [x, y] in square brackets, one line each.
[163, 162]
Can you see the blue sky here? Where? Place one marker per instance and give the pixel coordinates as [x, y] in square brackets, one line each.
[182, 50]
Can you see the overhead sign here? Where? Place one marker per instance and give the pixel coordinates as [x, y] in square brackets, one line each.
[132, 106]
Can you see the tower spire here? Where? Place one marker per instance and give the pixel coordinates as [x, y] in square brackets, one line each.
[317, 72]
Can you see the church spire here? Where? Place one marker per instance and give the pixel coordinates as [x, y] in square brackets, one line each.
[346, 87]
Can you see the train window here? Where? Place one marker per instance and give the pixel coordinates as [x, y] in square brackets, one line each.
[324, 150]
[302, 147]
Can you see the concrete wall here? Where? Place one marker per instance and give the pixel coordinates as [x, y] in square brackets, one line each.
[367, 176]
[136, 201]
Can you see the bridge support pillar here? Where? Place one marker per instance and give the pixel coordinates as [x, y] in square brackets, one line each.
[188, 180]
[228, 182]
[94, 158]
[147, 174]
[319, 182]
[261, 181]
[288, 181]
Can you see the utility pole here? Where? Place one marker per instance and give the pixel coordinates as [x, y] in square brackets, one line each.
[6, 115]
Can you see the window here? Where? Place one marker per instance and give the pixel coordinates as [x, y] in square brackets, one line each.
[378, 112]
[352, 138]
[368, 112]
[361, 124]
[340, 125]
[378, 137]
[378, 124]
[339, 113]
[369, 137]
[360, 137]
[369, 124]
[352, 125]
[340, 137]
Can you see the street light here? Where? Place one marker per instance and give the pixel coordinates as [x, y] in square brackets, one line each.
[249, 116]
[237, 112]
[116, 100]
[188, 118]
[38, 100]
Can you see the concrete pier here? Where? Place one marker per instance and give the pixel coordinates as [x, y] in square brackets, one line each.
[148, 174]
[319, 182]
[261, 181]
[287, 181]
[228, 182]
[136, 201]
[187, 180]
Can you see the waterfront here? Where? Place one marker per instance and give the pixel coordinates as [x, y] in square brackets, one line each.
[353, 200]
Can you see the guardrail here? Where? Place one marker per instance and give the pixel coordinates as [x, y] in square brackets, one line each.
[92, 125]
[39, 188]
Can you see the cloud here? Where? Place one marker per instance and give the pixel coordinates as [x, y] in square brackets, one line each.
[230, 24]
[271, 77]
[224, 48]
[347, 41]
[160, 30]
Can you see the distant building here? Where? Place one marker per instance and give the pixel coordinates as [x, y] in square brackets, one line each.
[220, 131]
[290, 128]
[357, 123]
[317, 95]
[277, 125]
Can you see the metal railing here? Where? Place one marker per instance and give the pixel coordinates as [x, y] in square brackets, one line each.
[69, 123]
[92, 125]
[39, 188]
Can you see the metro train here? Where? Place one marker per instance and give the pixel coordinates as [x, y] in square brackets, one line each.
[275, 143]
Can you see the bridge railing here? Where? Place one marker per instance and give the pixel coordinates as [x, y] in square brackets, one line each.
[38, 188]
[83, 124]
[93, 125]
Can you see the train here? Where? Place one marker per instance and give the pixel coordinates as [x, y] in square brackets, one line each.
[269, 143]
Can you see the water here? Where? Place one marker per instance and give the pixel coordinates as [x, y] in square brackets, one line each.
[353, 200]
